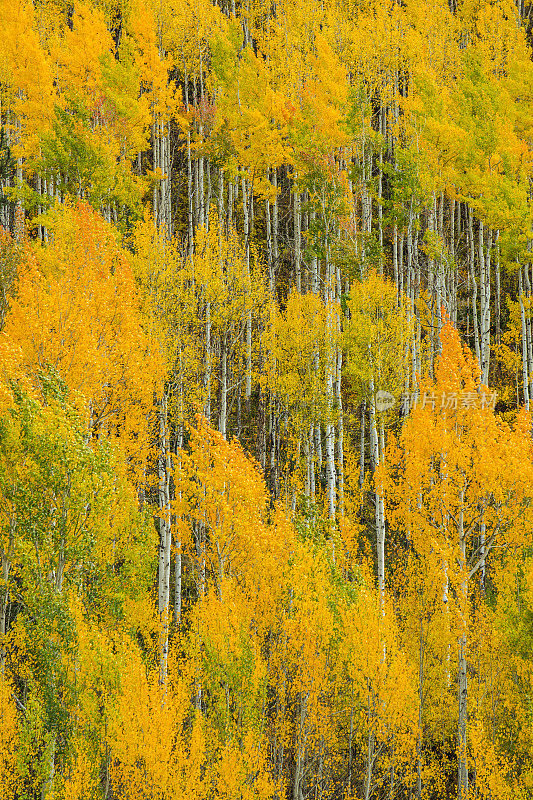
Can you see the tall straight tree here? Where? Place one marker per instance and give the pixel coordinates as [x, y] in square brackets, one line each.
[457, 470]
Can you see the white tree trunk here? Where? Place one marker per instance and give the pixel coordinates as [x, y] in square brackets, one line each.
[471, 259]
[207, 374]
[484, 265]
[340, 435]
[331, 476]
[298, 240]
[47, 788]
[248, 377]
[378, 499]
[165, 533]
[525, 372]
[222, 420]
[462, 676]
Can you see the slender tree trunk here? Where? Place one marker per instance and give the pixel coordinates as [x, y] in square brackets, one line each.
[420, 734]
[440, 275]
[462, 678]
[350, 740]
[273, 455]
[248, 377]
[199, 539]
[462, 774]
[262, 432]
[221, 195]
[380, 224]
[275, 225]
[379, 507]
[167, 181]
[47, 788]
[164, 507]
[340, 435]
[529, 337]
[525, 371]
[156, 164]
[270, 254]
[311, 439]
[299, 758]
[395, 260]
[207, 373]
[298, 240]
[497, 299]
[482, 551]
[446, 607]
[314, 263]
[222, 420]
[484, 263]
[371, 745]
[201, 190]
[362, 446]
[331, 477]
[400, 265]
[434, 299]
[176, 617]
[471, 260]
[6, 559]
[209, 193]
[165, 534]
[190, 204]
[452, 229]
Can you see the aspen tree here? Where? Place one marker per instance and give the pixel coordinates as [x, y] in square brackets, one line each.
[482, 463]
[297, 341]
[375, 347]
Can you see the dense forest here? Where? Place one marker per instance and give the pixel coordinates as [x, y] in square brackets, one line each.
[266, 366]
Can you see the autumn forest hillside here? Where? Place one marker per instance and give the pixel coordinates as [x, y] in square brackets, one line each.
[266, 367]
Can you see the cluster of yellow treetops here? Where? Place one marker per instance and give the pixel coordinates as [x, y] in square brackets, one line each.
[266, 364]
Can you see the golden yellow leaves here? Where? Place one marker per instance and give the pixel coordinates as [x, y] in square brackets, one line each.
[144, 726]
[377, 335]
[25, 76]
[231, 285]
[297, 340]
[224, 492]
[460, 468]
[82, 51]
[77, 311]
[8, 726]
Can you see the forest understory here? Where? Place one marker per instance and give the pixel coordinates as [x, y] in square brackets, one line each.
[266, 366]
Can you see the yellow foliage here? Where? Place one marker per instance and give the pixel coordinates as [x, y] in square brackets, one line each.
[109, 365]
[25, 76]
[297, 341]
[8, 737]
[377, 336]
[147, 738]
